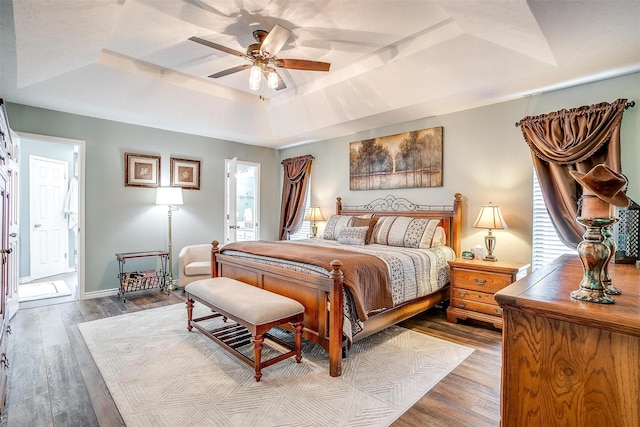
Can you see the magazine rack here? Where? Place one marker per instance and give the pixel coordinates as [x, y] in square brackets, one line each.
[131, 281]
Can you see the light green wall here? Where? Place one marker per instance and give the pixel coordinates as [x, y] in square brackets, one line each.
[485, 158]
[122, 219]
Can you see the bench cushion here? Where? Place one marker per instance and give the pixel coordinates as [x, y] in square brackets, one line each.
[252, 304]
[198, 268]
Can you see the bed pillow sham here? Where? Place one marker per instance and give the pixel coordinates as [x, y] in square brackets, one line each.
[353, 235]
[439, 237]
[335, 223]
[365, 222]
[404, 231]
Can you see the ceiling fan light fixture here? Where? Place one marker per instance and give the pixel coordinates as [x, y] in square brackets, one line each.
[272, 78]
[255, 74]
[254, 84]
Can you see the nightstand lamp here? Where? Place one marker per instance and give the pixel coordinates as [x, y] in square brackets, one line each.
[490, 218]
[314, 215]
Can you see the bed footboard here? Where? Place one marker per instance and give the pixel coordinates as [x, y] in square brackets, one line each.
[319, 295]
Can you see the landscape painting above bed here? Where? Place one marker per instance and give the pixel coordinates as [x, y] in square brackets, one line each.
[402, 271]
[405, 160]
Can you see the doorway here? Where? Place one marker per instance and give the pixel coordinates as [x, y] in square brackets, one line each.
[51, 244]
[242, 201]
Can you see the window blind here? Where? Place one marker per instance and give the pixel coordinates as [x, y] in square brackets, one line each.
[546, 244]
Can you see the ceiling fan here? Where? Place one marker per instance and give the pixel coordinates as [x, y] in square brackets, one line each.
[263, 60]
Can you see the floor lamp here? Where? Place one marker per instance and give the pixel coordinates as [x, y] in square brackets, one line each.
[171, 197]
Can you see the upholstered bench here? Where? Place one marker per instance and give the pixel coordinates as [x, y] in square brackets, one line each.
[255, 311]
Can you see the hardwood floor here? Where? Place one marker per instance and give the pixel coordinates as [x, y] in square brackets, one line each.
[55, 382]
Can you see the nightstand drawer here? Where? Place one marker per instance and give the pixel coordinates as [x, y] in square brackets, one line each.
[478, 307]
[484, 297]
[480, 280]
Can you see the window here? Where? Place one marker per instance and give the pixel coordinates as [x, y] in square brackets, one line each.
[305, 230]
[546, 246]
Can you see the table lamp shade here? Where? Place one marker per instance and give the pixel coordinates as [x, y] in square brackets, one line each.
[490, 217]
[314, 214]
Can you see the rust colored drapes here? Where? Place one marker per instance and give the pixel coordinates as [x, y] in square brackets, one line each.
[575, 139]
[297, 171]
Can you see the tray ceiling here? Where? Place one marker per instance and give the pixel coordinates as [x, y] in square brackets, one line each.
[391, 61]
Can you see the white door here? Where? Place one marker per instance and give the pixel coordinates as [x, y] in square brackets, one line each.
[12, 212]
[242, 200]
[48, 184]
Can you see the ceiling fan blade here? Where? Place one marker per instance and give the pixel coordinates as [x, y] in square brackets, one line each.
[302, 64]
[275, 40]
[230, 71]
[217, 46]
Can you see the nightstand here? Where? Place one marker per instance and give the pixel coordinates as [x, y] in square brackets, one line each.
[473, 284]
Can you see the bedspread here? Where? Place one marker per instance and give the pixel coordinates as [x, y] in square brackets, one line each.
[412, 273]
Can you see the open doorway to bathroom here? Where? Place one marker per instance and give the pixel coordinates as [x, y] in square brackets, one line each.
[50, 244]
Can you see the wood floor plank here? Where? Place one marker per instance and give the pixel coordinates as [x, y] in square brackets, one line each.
[104, 407]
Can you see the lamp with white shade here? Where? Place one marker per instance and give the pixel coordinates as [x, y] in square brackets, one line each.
[490, 218]
[314, 214]
[171, 197]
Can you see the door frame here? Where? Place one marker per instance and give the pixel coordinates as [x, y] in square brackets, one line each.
[80, 167]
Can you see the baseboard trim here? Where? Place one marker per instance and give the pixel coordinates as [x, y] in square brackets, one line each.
[100, 294]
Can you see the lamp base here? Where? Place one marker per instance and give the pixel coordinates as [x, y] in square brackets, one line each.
[490, 244]
[172, 286]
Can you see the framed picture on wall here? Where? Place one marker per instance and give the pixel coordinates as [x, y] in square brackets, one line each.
[141, 170]
[185, 173]
[405, 160]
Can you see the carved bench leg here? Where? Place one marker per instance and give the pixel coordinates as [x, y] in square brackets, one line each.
[189, 313]
[257, 355]
[297, 331]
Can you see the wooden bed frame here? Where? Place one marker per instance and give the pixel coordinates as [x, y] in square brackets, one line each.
[319, 295]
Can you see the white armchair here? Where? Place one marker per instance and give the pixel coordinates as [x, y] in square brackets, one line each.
[194, 262]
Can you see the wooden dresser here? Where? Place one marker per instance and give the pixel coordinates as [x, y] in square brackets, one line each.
[567, 362]
[473, 283]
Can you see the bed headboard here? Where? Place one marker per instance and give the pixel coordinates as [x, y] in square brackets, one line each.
[450, 215]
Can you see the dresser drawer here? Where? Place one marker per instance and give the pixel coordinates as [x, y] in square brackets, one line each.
[480, 280]
[478, 307]
[468, 295]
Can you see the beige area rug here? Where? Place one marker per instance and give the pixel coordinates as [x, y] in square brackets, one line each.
[32, 291]
[161, 375]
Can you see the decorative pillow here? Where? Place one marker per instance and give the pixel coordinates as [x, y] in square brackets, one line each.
[353, 235]
[439, 237]
[335, 223]
[362, 222]
[404, 231]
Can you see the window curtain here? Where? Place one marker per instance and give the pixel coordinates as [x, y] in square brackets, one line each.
[297, 171]
[575, 139]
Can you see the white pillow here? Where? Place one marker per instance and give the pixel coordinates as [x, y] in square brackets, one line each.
[353, 236]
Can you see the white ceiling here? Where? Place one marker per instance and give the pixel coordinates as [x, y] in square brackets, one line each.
[391, 60]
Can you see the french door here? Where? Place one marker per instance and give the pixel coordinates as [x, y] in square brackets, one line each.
[242, 201]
